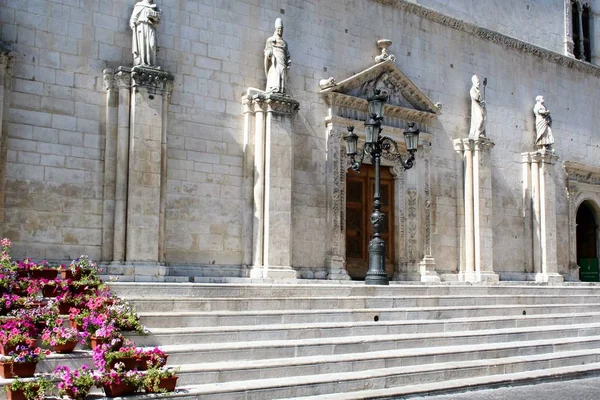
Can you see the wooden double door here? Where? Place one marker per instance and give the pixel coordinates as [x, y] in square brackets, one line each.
[359, 230]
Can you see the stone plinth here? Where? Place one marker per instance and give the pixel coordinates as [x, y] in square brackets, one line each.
[478, 256]
[538, 173]
[272, 189]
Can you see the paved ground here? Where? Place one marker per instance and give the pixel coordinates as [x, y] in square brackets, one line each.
[579, 389]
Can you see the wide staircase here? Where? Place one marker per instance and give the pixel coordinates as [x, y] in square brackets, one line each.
[351, 341]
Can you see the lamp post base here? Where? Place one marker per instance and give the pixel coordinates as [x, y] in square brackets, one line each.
[376, 275]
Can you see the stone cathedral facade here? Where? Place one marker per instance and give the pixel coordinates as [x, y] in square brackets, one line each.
[187, 166]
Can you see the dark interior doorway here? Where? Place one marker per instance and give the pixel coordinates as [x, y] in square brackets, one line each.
[587, 243]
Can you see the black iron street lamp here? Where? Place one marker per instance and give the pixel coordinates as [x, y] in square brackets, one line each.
[378, 146]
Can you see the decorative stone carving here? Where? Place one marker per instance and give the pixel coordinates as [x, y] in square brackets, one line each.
[411, 199]
[7, 61]
[383, 44]
[144, 19]
[543, 125]
[477, 110]
[327, 83]
[278, 103]
[122, 77]
[155, 80]
[277, 60]
[108, 78]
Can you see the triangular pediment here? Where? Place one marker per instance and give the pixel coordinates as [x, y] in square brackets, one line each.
[405, 101]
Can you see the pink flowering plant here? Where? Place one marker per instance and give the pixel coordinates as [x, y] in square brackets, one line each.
[85, 265]
[125, 316]
[118, 374]
[24, 354]
[7, 301]
[154, 357]
[33, 389]
[45, 315]
[12, 336]
[59, 335]
[75, 383]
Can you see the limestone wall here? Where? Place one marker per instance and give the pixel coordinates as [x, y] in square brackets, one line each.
[214, 49]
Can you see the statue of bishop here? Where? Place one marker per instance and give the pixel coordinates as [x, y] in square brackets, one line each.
[277, 60]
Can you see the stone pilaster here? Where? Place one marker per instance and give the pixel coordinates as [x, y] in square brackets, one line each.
[6, 68]
[122, 79]
[110, 163]
[543, 215]
[269, 221]
[478, 241]
[336, 205]
[147, 134]
[248, 181]
[427, 264]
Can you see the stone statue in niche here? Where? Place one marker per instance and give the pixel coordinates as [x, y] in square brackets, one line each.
[543, 124]
[277, 60]
[477, 110]
[144, 19]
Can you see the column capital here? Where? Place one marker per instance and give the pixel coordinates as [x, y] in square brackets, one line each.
[281, 104]
[122, 77]
[462, 145]
[483, 144]
[153, 79]
[108, 77]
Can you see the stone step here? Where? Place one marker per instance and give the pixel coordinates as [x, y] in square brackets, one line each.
[333, 315]
[187, 345]
[465, 384]
[341, 347]
[157, 304]
[338, 363]
[310, 289]
[394, 377]
[217, 334]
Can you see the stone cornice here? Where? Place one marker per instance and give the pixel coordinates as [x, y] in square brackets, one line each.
[357, 103]
[582, 173]
[491, 36]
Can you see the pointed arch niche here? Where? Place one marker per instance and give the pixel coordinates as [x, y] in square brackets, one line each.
[583, 184]
[347, 103]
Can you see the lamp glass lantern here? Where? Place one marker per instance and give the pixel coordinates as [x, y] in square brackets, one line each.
[376, 104]
[351, 142]
[411, 138]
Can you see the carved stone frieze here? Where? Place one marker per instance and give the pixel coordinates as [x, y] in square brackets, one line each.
[337, 191]
[582, 173]
[153, 79]
[411, 204]
[491, 36]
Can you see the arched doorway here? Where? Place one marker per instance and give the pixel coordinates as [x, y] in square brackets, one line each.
[359, 231]
[587, 243]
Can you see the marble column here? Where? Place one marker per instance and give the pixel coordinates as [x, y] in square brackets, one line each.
[543, 215]
[259, 188]
[123, 82]
[110, 164]
[478, 241]
[147, 133]
[247, 183]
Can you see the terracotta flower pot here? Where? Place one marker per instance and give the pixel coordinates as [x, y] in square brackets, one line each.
[15, 394]
[129, 362]
[80, 395]
[68, 274]
[142, 363]
[168, 384]
[51, 291]
[8, 348]
[95, 342]
[114, 390]
[22, 370]
[65, 348]
[46, 273]
[63, 308]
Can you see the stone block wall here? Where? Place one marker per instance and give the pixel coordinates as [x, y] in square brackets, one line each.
[54, 171]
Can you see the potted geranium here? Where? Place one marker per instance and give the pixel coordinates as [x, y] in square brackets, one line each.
[21, 362]
[61, 339]
[75, 384]
[160, 380]
[118, 381]
[28, 389]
